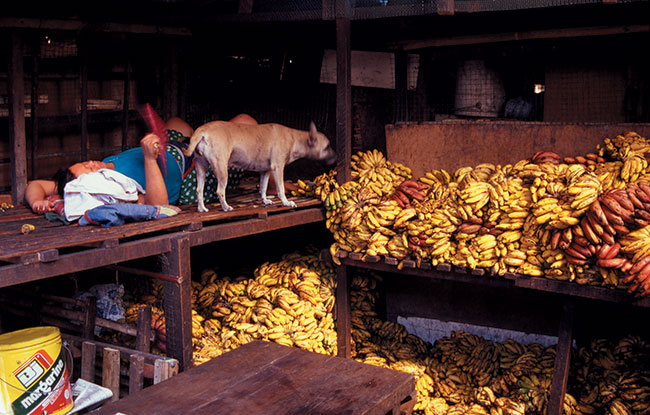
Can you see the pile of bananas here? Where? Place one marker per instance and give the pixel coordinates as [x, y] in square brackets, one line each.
[289, 302]
[459, 374]
[612, 377]
[545, 216]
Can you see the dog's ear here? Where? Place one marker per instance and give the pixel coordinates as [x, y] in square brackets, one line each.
[312, 134]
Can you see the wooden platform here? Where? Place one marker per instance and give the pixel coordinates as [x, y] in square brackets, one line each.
[270, 379]
[49, 236]
[54, 249]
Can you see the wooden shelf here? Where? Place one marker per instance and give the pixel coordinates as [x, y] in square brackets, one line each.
[54, 249]
[485, 277]
[569, 291]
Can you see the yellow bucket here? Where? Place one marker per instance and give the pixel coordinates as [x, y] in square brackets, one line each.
[34, 374]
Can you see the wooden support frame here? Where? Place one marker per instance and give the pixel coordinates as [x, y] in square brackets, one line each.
[178, 302]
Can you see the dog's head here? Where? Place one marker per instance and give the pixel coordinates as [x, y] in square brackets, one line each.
[319, 146]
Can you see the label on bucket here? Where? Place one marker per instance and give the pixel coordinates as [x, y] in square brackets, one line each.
[45, 385]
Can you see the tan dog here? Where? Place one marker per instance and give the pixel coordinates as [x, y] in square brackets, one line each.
[264, 148]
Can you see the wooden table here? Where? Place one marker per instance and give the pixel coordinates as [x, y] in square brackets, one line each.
[267, 378]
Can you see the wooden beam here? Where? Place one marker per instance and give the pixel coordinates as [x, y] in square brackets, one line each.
[516, 36]
[17, 139]
[78, 25]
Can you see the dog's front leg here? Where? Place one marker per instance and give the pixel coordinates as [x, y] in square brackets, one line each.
[201, 170]
[278, 177]
[264, 185]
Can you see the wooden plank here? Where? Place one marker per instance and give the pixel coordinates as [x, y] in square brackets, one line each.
[450, 145]
[111, 372]
[343, 319]
[17, 138]
[367, 69]
[562, 360]
[178, 301]
[88, 357]
[136, 373]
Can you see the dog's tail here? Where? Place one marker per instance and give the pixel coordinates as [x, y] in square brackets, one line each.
[194, 141]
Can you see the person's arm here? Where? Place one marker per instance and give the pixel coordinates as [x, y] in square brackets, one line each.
[154, 182]
[36, 195]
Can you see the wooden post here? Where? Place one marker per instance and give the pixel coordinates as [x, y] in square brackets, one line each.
[164, 369]
[343, 90]
[562, 360]
[177, 301]
[343, 312]
[401, 87]
[83, 77]
[170, 79]
[90, 314]
[34, 107]
[125, 102]
[88, 356]
[16, 94]
[136, 373]
[143, 338]
[111, 372]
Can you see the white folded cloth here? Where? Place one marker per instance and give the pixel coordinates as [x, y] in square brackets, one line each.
[102, 187]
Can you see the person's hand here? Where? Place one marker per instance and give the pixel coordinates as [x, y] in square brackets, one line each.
[43, 206]
[150, 144]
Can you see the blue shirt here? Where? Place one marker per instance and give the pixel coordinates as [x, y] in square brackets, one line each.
[131, 164]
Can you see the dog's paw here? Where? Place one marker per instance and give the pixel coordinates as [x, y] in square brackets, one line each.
[226, 208]
[202, 208]
[267, 201]
[290, 203]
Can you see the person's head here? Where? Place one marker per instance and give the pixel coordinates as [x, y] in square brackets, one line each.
[63, 176]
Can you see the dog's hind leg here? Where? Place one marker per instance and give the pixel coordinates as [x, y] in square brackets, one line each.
[221, 171]
[278, 177]
[201, 170]
[264, 185]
